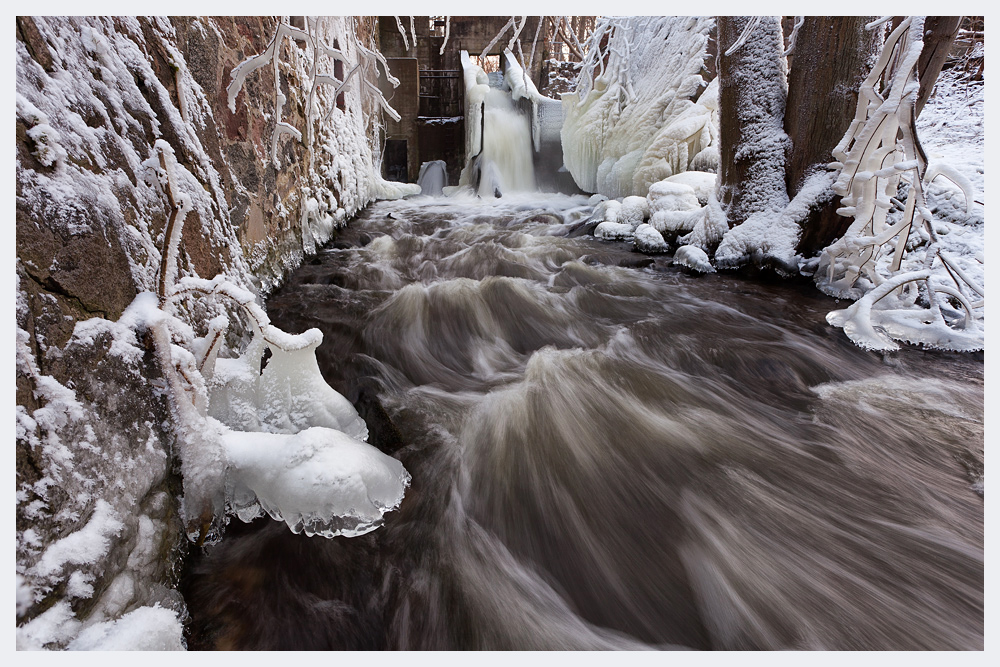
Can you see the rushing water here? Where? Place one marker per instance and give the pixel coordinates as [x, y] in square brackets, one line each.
[608, 452]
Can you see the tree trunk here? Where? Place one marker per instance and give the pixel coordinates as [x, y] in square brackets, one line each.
[832, 56]
[939, 34]
[752, 142]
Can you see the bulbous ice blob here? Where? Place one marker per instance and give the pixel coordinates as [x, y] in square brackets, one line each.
[318, 481]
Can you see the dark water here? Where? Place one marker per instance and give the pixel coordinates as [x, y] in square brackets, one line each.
[608, 452]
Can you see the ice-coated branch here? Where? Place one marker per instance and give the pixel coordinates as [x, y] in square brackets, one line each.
[367, 66]
[482, 56]
[369, 61]
[447, 33]
[877, 22]
[402, 32]
[799, 20]
[269, 55]
[745, 35]
[878, 150]
[517, 31]
[180, 205]
[571, 40]
[534, 42]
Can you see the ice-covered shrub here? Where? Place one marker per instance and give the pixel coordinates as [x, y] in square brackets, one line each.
[880, 156]
[278, 438]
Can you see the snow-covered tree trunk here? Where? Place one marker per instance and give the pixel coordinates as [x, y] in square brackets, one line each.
[822, 96]
[752, 92]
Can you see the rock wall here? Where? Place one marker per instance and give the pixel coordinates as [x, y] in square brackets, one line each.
[97, 490]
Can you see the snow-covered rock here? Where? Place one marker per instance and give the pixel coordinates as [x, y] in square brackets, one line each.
[649, 241]
[693, 258]
[669, 195]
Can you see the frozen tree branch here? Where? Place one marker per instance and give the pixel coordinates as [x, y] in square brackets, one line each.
[402, 32]
[799, 20]
[482, 56]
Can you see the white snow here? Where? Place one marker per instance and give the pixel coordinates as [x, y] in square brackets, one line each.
[648, 240]
[142, 629]
[693, 258]
[83, 546]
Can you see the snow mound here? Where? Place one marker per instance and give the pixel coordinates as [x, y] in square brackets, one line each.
[702, 182]
[633, 210]
[670, 195]
[614, 231]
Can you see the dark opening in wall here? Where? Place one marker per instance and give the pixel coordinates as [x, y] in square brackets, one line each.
[394, 160]
[300, 23]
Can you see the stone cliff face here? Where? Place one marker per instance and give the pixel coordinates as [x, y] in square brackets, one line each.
[97, 498]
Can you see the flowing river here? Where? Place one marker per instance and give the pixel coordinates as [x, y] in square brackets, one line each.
[610, 452]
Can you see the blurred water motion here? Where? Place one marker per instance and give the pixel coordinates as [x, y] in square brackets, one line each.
[608, 452]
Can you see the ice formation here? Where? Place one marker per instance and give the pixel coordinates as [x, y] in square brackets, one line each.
[319, 481]
[433, 178]
[632, 122]
[235, 428]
